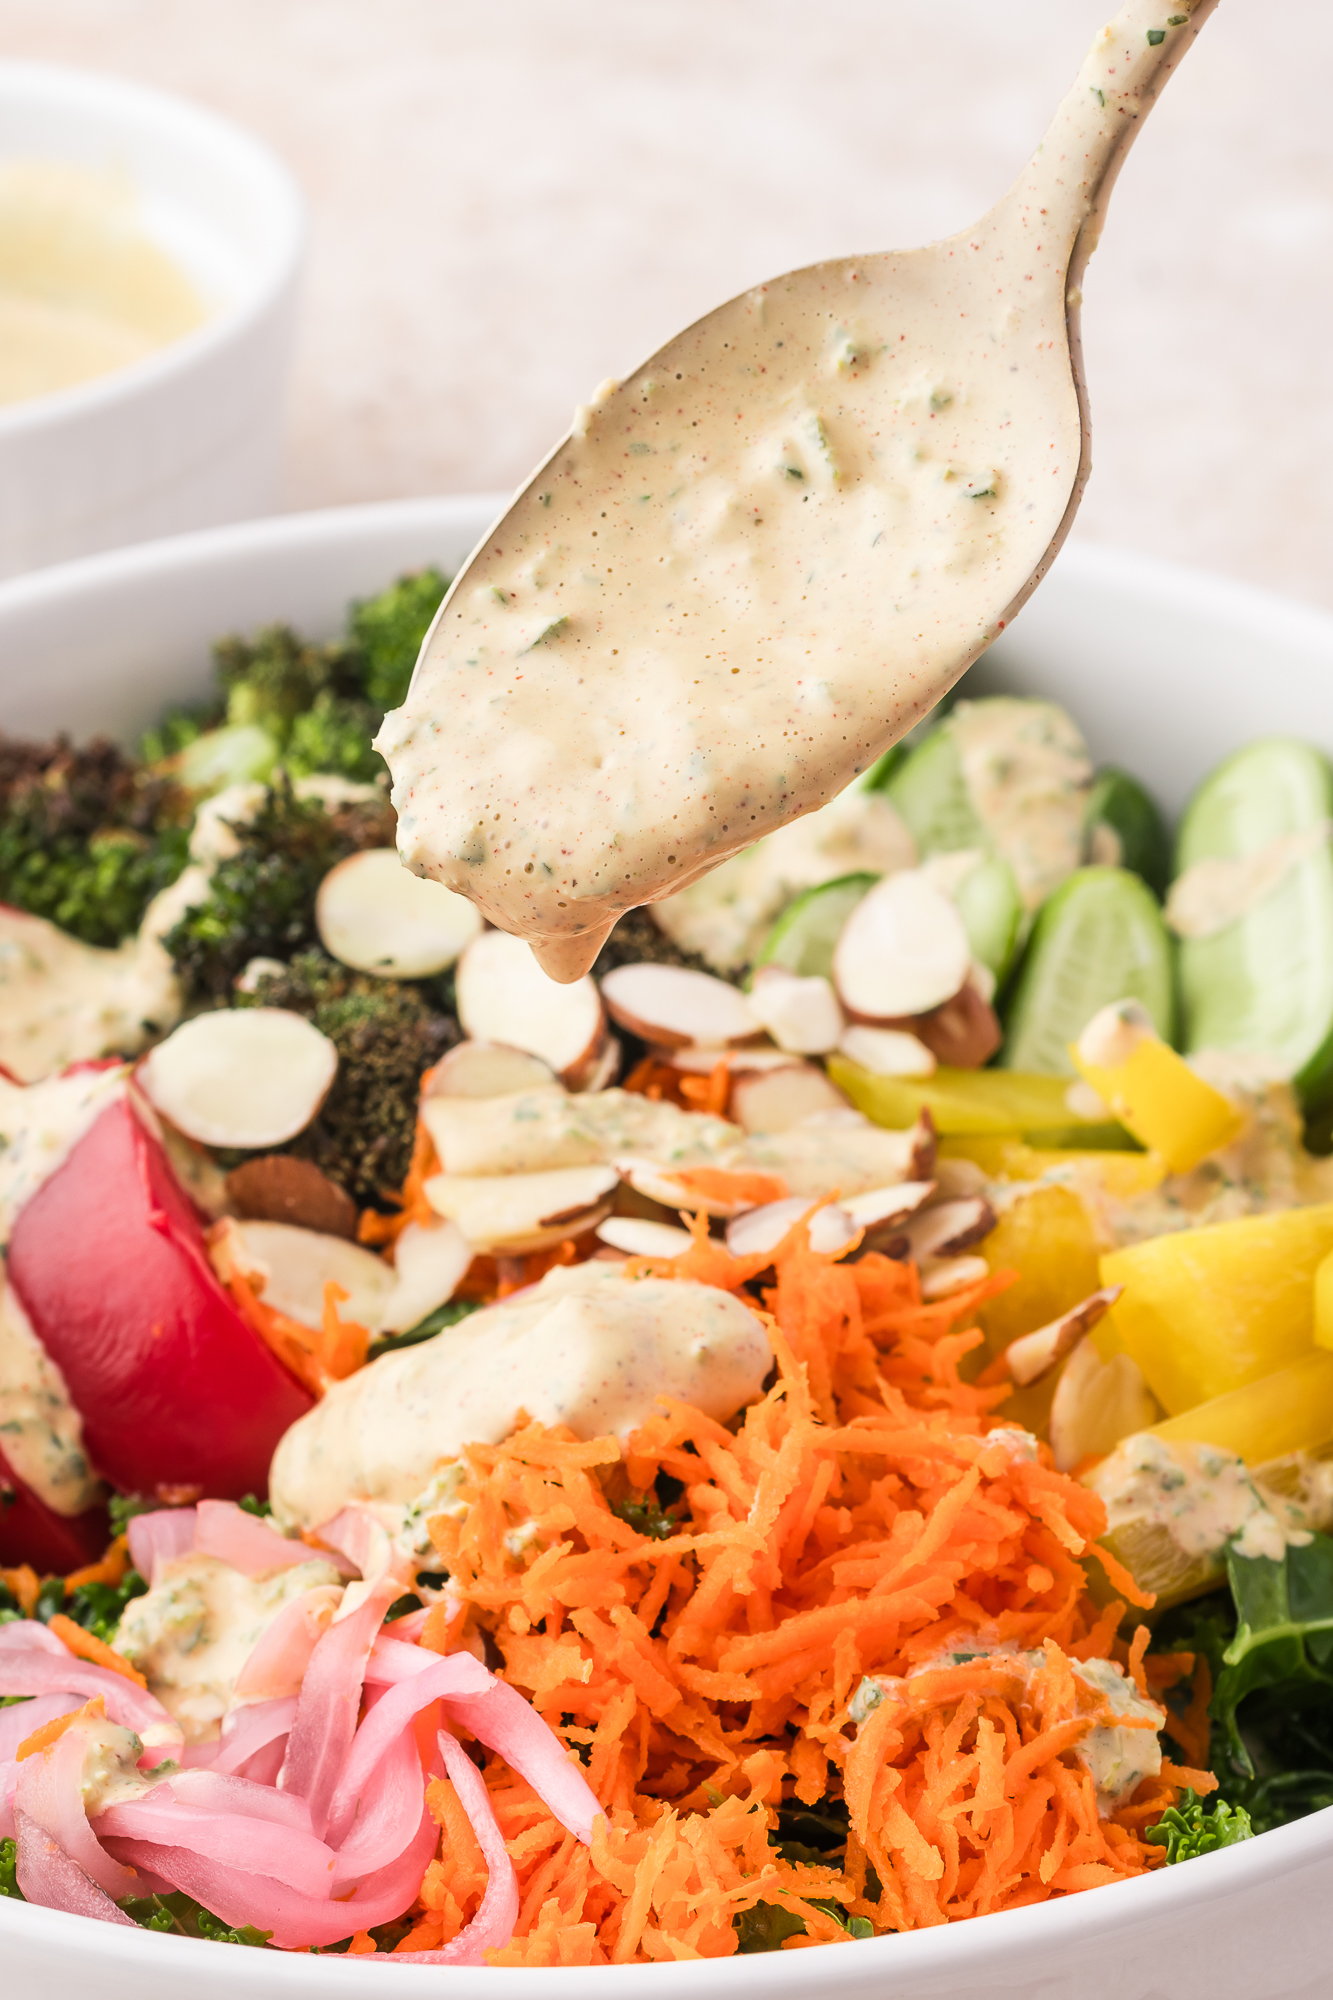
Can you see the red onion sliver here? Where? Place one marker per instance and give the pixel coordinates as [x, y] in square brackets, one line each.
[290, 1856]
[155, 1538]
[326, 1709]
[224, 1530]
[47, 1876]
[49, 1795]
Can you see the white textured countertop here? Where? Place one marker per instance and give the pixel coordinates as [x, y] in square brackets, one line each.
[512, 201]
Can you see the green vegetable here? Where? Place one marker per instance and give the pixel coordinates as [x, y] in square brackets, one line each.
[448, 1314]
[991, 908]
[87, 837]
[334, 734]
[1264, 983]
[232, 755]
[1190, 1828]
[765, 1927]
[803, 938]
[122, 1508]
[8, 1870]
[646, 1517]
[261, 1509]
[386, 633]
[1122, 828]
[386, 1035]
[99, 1607]
[261, 900]
[1099, 938]
[175, 1911]
[1284, 1636]
[637, 940]
[930, 792]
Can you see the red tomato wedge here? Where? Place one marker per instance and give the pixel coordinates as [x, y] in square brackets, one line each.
[110, 1264]
[31, 1533]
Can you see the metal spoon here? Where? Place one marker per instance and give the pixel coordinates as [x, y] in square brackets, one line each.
[754, 564]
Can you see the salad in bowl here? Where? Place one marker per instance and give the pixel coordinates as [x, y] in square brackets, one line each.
[818, 1430]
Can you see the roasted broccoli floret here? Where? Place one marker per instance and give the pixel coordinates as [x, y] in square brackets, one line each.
[386, 632]
[637, 939]
[386, 1034]
[334, 734]
[87, 836]
[261, 901]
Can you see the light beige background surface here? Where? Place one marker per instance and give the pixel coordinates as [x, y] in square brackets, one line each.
[514, 199]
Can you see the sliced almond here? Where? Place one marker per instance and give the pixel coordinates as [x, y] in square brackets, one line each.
[903, 950]
[639, 1238]
[804, 1016]
[294, 1266]
[888, 1051]
[251, 1077]
[516, 1213]
[740, 1062]
[277, 1188]
[659, 1183]
[430, 1260]
[949, 1227]
[775, 1100]
[504, 996]
[964, 1033]
[1096, 1404]
[376, 915]
[677, 1008]
[1033, 1355]
[486, 1069]
[882, 1214]
[940, 1276]
[606, 1068]
[755, 1234]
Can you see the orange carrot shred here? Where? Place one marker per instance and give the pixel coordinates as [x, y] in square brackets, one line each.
[51, 1732]
[86, 1645]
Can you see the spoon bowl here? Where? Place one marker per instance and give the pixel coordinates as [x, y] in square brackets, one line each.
[755, 563]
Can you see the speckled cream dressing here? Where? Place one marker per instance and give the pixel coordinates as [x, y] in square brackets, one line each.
[41, 1432]
[586, 1347]
[192, 1633]
[756, 562]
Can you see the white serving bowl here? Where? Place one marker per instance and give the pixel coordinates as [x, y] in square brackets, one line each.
[190, 435]
[1166, 670]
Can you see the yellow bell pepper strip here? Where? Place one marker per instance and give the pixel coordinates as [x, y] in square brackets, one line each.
[1289, 1410]
[1153, 1092]
[1323, 1303]
[995, 1101]
[1208, 1310]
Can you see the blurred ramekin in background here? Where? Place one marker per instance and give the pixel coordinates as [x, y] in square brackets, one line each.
[191, 434]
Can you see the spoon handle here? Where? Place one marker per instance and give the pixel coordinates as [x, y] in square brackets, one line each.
[1062, 193]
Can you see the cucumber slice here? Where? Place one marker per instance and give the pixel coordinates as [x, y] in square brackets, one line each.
[1264, 984]
[1122, 828]
[1099, 938]
[803, 937]
[930, 793]
[991, 908]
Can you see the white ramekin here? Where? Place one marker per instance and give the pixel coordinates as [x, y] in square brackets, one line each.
[191, 435]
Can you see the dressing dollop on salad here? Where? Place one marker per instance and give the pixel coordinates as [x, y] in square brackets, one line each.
[819, 1428]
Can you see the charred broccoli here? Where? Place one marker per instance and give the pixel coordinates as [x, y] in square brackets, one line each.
[261, 901]
[386, 1034]
[87, 836]
[314, 706]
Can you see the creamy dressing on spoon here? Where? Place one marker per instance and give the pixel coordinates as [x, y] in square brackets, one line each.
[758, 561]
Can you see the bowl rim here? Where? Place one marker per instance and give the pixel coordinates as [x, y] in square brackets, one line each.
[229, 143]
[988, 1950]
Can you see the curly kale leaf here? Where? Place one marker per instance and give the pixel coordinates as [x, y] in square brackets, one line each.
[9, 1871]
[1191, 1828]
[99, 1607]
[261, 900]
[386, 1035]
[87, 836]
[175, 1911]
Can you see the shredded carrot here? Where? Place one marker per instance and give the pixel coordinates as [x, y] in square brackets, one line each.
[51, 1732]
[711, 1093]
[863, 1519]
[23, 1585]
[87, 1646]
[721, 1184]
[343, 1344]
[111, 1569]
[376, 1229]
